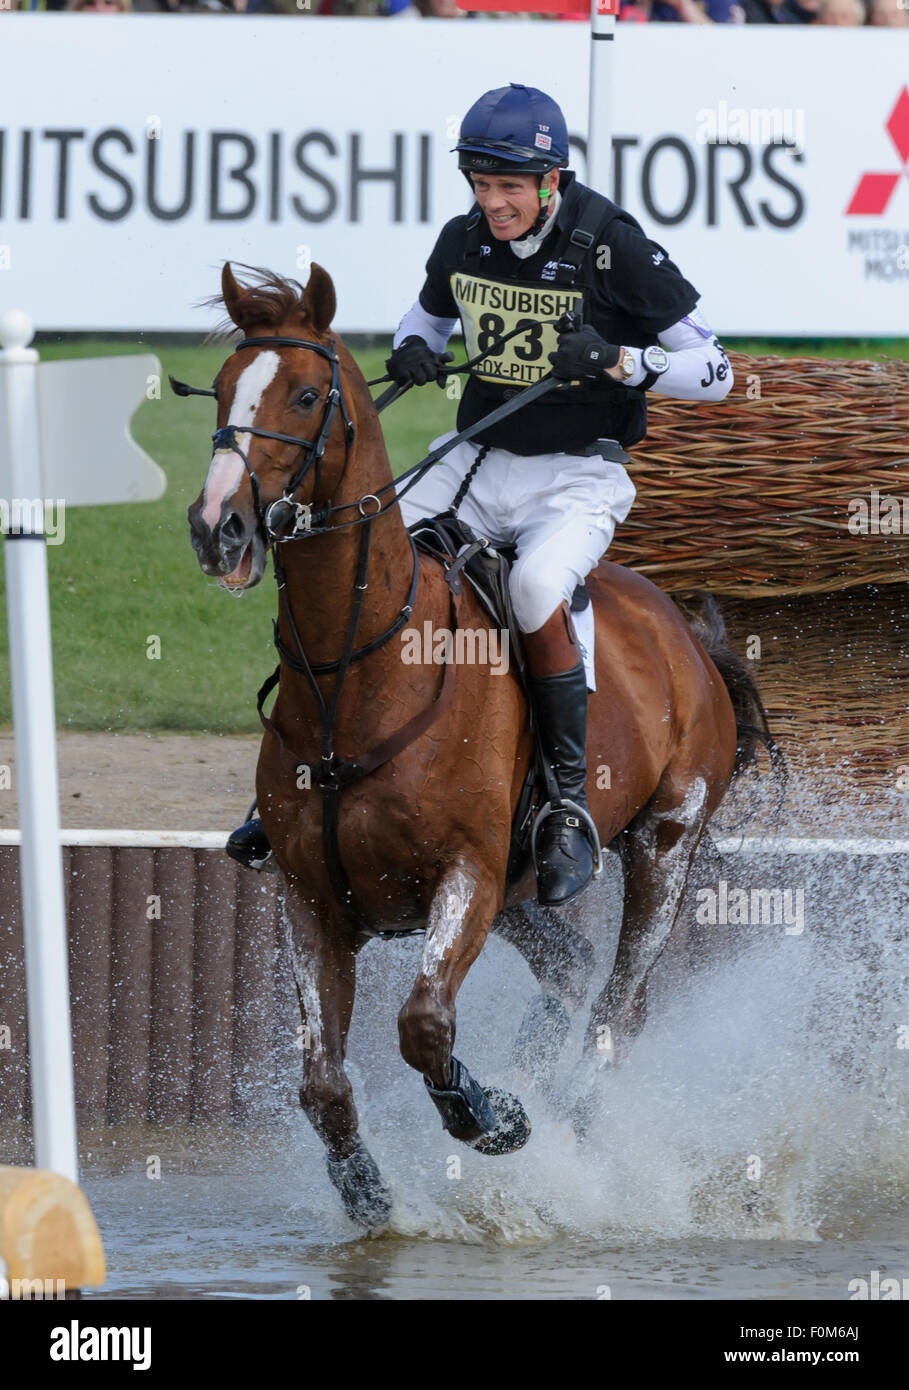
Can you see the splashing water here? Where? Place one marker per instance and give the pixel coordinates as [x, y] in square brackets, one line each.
[753, 1144]
[764, 1099]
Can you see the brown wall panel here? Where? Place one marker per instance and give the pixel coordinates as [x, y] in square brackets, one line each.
[132, 934]
[170, 1067]
[90, 879]
[254, 1005]
[190, 1014]
[288, 1053]
[213, 984]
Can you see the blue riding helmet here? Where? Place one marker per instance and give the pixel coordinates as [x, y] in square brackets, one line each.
[513, 128]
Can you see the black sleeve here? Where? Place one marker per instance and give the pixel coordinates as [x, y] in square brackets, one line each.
[435, 296]
[641, 281]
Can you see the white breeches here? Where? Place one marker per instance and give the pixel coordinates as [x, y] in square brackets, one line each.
[559, 510]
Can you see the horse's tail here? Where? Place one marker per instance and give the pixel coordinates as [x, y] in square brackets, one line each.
[752, 729]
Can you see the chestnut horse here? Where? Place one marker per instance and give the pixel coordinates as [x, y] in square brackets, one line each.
[423, 826]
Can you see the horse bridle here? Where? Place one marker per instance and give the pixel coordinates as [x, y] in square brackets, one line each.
[313, 449]
[304, 517]
[307, 520]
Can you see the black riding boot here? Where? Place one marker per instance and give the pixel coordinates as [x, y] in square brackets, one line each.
[249, 846]
[565, 856]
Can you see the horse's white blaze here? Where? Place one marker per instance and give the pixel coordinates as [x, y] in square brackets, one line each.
[446, 918]
[225, 475]
[226, 471]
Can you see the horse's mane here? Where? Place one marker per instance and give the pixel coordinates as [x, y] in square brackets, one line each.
[271, 300]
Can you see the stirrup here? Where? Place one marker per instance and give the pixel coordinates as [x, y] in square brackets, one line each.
[585, 818]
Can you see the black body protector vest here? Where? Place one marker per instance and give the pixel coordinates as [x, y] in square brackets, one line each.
[570, 418]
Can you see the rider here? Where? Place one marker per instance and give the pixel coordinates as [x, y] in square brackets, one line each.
[550, 478]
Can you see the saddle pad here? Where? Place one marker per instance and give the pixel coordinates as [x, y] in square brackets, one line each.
[584, 627]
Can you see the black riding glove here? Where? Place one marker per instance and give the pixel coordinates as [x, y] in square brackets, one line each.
[582, 353]
[413, 363]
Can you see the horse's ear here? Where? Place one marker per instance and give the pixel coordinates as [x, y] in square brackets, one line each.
[232, 294]
[319, 299]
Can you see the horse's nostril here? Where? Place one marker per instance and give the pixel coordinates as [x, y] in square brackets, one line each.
[232, 529]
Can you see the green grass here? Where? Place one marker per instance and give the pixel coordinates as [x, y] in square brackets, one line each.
[859, 349]
[126, 573]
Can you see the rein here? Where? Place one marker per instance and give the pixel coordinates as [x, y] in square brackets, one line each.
[388, 397]
[310, 521]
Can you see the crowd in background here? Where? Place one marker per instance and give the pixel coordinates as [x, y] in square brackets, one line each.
[894, 13]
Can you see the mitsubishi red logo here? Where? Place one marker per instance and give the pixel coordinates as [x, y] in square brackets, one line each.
[874, 190]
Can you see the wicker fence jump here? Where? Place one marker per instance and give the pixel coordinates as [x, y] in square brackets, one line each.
[751, 495]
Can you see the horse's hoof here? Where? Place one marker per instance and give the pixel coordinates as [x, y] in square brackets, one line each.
[489, 1120]
[366, 1198]
[512, 1125]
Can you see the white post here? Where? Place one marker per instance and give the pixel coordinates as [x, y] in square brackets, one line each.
[31, 671]
[599, 120]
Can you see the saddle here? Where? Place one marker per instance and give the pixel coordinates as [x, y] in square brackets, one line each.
[465, 555]
[462, 551]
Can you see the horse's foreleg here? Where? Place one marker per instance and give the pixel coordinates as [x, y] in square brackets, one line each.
[459, 920]
[323, 953]
[657, 852]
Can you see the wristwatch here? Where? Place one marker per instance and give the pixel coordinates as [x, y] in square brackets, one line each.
[655, 361]
[627, 364]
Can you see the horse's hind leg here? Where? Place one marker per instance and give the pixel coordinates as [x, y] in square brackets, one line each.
[323, 953]
[560, 957]
[460, 916]
[657, 852]
[562, 960]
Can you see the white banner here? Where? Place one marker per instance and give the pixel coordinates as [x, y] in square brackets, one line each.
[139, 153]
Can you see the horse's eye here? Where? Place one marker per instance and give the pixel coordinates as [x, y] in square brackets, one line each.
[307, 398]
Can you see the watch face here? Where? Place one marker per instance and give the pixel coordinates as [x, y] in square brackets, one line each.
[655, 359]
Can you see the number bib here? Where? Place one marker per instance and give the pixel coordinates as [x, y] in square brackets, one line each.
[491, 308]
